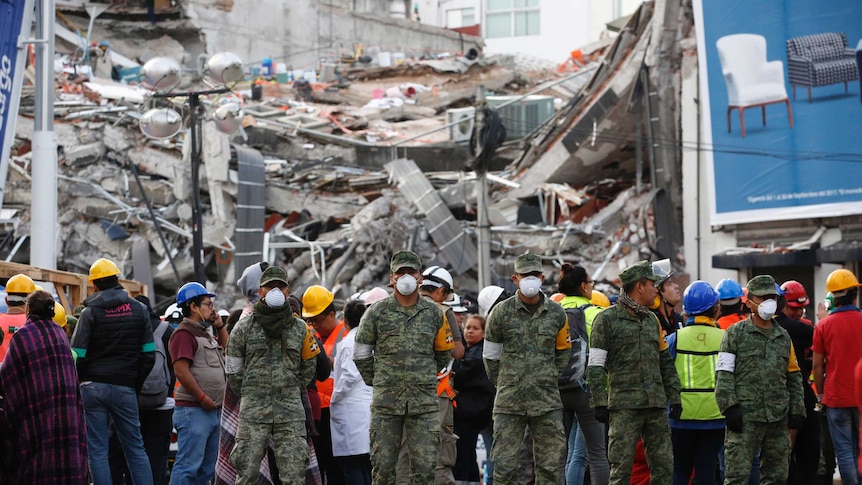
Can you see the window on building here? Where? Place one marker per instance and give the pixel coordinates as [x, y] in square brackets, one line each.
[512, 18]
[460, 17]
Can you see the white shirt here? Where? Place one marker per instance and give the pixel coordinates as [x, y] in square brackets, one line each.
[350, 407]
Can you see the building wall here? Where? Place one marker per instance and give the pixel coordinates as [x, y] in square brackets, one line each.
[299, 33]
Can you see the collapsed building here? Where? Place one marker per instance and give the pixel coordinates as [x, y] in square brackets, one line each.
[365, 158]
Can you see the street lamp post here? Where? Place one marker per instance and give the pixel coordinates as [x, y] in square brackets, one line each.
[163, 74]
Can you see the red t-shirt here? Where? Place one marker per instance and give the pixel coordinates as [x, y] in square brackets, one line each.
[859, 404]
[839, 338]
[183, 345]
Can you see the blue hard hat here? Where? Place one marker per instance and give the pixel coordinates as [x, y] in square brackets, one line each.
[779, 290]
[190, 291]
[729, 289]
[698, 298]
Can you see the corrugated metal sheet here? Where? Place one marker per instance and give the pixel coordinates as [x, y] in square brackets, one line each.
[250, 208]
[456, 247]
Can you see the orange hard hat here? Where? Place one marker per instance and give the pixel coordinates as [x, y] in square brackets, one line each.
[558, 297]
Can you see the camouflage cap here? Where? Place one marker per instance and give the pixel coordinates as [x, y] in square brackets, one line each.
[762, 285]
[403, 259]
[638, 271]
[528, 263]
[273, 273]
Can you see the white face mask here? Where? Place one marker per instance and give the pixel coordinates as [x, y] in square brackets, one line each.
[766, 309]
[274, 298]
[406, 284]
[530, 286]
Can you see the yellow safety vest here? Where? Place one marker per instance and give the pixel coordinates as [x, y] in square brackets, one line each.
[696, 357]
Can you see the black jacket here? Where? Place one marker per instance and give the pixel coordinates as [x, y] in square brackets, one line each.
[114, 339]
[475, 397]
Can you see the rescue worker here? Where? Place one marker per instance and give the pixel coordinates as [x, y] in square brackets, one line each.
[527, 346]
[318, 311]
[17, 289]
[402, 342]
[730, 296]
[271, 357]
[758, 388]
[837, 348]
[116, 351]
[699, 432]
[198, 360]
[668, 297]
[805, 442]
[437, 285]
[461, 308]
[628, 353]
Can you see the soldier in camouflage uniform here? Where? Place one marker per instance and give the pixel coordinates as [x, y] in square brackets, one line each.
[758, 383]
[527, 346]
[270, 359]
[628, 353]
[401, 343]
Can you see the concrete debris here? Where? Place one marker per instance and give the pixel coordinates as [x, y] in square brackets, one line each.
[356, 167]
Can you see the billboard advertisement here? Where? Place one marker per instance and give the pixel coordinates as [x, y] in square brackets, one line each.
[781, 107]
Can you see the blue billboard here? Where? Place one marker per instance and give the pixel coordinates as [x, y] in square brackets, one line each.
[13, 14]
[782, 107]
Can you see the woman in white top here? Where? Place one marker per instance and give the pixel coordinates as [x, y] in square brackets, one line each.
[350, 407]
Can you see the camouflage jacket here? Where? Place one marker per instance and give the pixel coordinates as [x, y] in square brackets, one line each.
[630, 355]
[269, 375]
[399, 351]
[524, 354]
[758, 372]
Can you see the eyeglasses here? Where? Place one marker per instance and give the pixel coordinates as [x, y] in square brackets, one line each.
[208, 304]
[590, 282]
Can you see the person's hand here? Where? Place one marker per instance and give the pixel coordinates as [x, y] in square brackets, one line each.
[795, 421]
[675, 411]
[822, 311]
[733, 418]
[602, 414]
[208, 404]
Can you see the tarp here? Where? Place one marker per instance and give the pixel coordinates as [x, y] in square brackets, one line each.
[779, 172]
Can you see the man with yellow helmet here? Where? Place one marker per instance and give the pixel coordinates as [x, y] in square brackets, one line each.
[17, 289]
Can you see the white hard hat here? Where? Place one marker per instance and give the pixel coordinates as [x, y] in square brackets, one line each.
[437, 276]
[456, 304]
[487, 297]
[173, 314]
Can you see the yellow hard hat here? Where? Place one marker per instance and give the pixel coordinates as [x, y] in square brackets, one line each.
[600, 299]
[59, 315]
[20, 283]
[838, 280]
[315, 299]
[103, 268]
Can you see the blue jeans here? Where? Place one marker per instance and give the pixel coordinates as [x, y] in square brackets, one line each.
[197, 445]
[844, 428]
[104, 403]
[576, 461]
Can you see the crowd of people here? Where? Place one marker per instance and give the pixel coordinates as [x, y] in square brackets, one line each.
[397, 387]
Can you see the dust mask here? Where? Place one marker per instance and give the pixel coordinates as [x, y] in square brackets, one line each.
[530, 286]
[274, 298]
[406, 285]
[766, 309]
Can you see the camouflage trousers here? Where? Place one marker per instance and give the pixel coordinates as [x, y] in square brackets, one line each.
[446, 456]
[773, 439]
[420, 433]
[549, 442]
[626, 426]
[289, 444]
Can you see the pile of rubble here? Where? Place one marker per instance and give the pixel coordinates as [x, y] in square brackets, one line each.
[335, 205]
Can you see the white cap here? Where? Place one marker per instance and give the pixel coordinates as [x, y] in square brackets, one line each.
[487, 297]
[437, 276]
[456, 304]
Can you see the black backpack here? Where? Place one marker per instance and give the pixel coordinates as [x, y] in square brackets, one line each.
[154, 392]
[573, 376]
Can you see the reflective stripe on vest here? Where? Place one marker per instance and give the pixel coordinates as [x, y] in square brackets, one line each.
[324, 389]
[696, 358]
[9, 324]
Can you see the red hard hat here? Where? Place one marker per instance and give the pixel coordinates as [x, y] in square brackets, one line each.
[795, 294]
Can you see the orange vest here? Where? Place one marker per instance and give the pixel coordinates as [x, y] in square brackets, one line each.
[726, 321]
[9, 324]
[324, 389]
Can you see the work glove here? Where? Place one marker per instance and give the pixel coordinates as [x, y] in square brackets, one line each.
[795, 421]
[733, 418]
[675, 411]
[602, 414]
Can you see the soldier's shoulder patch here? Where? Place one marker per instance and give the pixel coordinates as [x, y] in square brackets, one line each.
[310, 349]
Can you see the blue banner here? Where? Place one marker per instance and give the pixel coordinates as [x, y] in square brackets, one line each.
[782, 107]
[11, 18]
